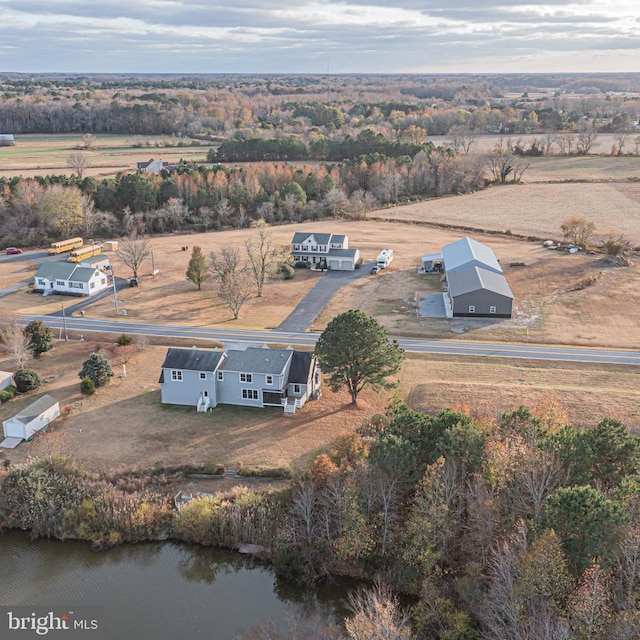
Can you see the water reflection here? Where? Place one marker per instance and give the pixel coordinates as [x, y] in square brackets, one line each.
[161, 590]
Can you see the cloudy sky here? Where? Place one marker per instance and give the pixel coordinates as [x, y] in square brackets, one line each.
[319, 36]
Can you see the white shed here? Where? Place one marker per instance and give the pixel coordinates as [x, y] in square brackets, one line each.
[5, 379]
[33, 418]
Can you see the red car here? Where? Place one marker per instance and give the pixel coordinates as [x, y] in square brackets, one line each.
[10, 251]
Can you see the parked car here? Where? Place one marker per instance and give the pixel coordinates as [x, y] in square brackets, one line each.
[10, 251]
[134, 282]
[374, 269]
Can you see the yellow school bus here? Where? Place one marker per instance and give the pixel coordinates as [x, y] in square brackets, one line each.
[65, 245]
[88, 250]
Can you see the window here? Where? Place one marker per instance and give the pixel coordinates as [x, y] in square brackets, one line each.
[296, 388]
[203, 375]
[41, 281]
[60, 283]
[250, 394]
[472, 309]
[296, 247]
[92, 285]
[492, 309]
[269, 379]
[220, 375]
[246, 377]
[176, 375]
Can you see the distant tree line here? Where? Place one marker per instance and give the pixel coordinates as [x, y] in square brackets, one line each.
[200, 198]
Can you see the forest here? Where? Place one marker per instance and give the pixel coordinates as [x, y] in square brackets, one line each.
[520, 527]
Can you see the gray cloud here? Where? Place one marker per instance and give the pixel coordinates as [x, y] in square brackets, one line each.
[316, 36]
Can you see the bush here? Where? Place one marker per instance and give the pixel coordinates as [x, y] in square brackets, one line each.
[123, 340]
[4, 396]
[97, 369]
[285, 272]
[87, 387]
[27, 380]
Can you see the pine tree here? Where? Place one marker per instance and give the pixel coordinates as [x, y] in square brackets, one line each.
[197, 271]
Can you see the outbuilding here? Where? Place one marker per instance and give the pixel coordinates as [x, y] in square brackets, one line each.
[468, 252]
[5, 379]
[33, 418]
[477, 292]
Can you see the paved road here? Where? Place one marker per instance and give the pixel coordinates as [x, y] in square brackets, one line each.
[316, 300]
[480, 349]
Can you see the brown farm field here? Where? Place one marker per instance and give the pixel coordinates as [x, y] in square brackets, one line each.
[35, 155]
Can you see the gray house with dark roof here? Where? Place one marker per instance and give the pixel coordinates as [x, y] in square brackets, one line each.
[476, 287]
[324, 248]
[253, 377]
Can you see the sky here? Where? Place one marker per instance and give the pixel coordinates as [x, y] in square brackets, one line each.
[319, 36]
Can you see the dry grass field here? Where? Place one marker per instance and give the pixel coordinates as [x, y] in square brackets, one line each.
[124, 426]
[35, 155]
[532, 209]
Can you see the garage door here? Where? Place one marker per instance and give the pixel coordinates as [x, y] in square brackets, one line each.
[13, 429]
[334, 264]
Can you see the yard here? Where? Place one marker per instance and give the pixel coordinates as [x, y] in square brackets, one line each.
[124, 426]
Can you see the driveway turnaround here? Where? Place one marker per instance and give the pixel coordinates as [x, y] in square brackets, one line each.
[316, 300]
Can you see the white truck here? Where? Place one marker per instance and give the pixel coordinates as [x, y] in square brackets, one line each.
[385, 257]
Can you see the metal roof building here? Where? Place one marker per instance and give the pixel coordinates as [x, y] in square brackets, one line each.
[475, 284]
[468, 252]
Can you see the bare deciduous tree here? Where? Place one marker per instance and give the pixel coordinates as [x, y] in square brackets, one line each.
[578, 231]
[13, 340]
[377, 615]
[133, 251]
[263, 256]
[235, 284]
[78, 162]
[462, 139]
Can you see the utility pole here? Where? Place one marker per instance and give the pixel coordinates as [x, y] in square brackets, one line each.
[115, 291]
[64, 324]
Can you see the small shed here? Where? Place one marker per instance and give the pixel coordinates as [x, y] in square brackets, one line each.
[5, 379]
[96, 262]
[33, 418]
[7, 140]
[110, 245]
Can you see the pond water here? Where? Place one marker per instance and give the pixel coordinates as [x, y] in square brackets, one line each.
[159, 590]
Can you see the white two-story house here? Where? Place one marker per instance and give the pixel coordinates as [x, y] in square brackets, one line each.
[324, 250]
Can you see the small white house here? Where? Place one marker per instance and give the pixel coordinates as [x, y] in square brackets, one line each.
[33, 418]
[5, 379]
[69, 277]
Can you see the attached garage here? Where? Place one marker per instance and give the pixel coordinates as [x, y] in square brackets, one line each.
[343, 259]
[33, 418]
[480, 293]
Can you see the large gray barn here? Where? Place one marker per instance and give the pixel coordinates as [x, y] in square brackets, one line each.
[475, 284]
[475, 291]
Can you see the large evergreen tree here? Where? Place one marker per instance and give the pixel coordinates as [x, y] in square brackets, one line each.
[40, 337]
[355, 351]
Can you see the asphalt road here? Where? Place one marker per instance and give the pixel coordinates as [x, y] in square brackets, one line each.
[460, 348]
